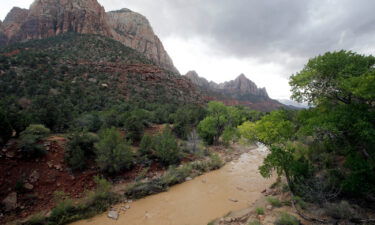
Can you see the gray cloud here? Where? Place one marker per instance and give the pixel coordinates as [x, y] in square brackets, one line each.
[285, 31]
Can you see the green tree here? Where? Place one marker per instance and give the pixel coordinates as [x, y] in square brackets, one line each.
[79, 149]
[211, 127]
[113, 153]
[341, 87]
[30, 140]
[166, 148]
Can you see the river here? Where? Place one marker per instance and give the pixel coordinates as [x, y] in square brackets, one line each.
[197, 202]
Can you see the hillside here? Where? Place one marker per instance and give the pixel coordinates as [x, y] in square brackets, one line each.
[66, 75]
[240, 91]
[49, 18]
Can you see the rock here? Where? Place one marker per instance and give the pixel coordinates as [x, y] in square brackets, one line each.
[29, 186]
[240, 91]
[269, 207]
[113, 215]
[10, 154]
[233, 200]
[47, 18]
[188, 178]
[228, 219]
[10, 202]
[127, 207]
[92, 80]
[135, 31]
[34, 176]
[261, 217]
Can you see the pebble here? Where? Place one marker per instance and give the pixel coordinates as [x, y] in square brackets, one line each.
[233, 200]
[188, 178]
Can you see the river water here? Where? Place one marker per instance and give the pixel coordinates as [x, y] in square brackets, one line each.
[197, 202]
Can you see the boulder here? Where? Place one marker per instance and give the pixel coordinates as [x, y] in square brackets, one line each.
[113, 215]
[10, 202]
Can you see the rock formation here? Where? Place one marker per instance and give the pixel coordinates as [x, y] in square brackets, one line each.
[135, 31]
[47, 18]
[240, 91]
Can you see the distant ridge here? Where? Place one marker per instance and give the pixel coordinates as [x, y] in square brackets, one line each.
[240, 91]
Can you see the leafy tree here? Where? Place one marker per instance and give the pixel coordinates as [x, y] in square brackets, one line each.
[113, 153]
[211, 127]
[341, 87]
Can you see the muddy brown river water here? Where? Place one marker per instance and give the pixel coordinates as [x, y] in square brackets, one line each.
[197, 202]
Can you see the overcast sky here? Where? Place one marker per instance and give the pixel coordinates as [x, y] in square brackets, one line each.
[266, 40]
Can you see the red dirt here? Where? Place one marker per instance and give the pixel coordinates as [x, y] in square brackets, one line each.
[53, 176]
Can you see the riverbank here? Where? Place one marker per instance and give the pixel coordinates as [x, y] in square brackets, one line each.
[235, 186]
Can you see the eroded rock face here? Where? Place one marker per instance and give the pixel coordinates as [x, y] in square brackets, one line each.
[47, 18]
[135, 31]
[240, 91]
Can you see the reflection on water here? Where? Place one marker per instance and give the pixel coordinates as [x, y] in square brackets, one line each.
[235, 186]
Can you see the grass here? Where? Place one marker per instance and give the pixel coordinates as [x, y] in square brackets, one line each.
[259, 211]
[286, 219]
[274, 202]
[66, 211]
[174, 175]
[255, 222]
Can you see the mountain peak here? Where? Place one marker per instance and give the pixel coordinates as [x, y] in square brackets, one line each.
[48, 18]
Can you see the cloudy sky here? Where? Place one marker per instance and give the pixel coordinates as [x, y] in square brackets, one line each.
[266, 40]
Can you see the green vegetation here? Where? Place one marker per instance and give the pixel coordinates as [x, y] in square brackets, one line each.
[326, 151]
[167, 150]
[80, 148]
[30, 140]
[255, 222]
[173, 176]
[274, 202]
[287, 219]
[221, 121]
[66, 211]
[259, 211]
[112, 151]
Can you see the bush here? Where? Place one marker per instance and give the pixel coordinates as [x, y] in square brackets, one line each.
[30, 139]
[146, 146]
[255, 222]
[171, 177]
[80, 147]
[286, 219]
[274, 201]
[113, 153]
[341, 210]
[167, 149]
[259, 211]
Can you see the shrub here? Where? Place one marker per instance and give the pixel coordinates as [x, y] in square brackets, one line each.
[80, 147]
[146, 146]
[274, 201]
[171, 177]
[259, 211]
[255, 222]
[341, 210]
[286, 219]
[167, 149]
[113, 153]
[30, 139]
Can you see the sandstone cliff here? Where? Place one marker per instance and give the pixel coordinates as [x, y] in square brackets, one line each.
[47, 18]
[135, 31]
